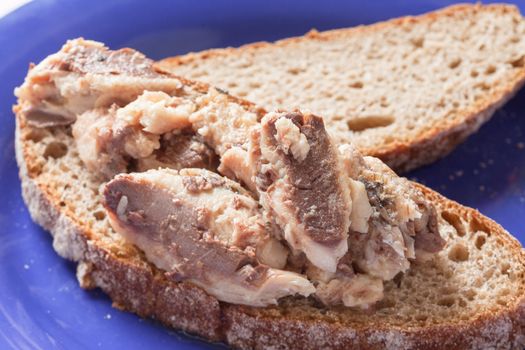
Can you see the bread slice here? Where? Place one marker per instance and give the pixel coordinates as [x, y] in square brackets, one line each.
[407, 90]
[472, 295]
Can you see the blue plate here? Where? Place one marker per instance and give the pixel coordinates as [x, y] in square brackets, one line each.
[41, 305]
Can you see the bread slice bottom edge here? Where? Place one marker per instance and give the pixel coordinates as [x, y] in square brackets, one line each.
[135, 285]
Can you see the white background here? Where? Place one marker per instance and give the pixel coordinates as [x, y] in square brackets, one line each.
[7, 6]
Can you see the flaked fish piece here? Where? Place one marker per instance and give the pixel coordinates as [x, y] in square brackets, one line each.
[359, 290]
[179, 151]
[84, 75]
[399, 217]
[203, 228]
[398, 201]
[109, 146]
[128, 116]
[227, 127]
[380, 238]
[309, 197]
[289, 161]
[305, 188]
[104, 147]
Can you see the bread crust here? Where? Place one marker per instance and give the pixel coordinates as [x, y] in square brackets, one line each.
[438, 140]
[137, 286]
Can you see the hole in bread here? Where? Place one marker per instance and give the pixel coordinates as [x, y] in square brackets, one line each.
[35, 135]
[470, 294]
[356, 85]
[504, 292]
[389, 139]
[446, 301]
[55, 150]
[294, 70]
[418, 42]
[483, 86]
[502, 302]
[35, 169]
[455, 221]
[198, 74]
[518, 63]
[449, 290]
[490, 70]
[454, 63]
[64, 168]
[505, 267]
[458, 253]
[369, 122]
[421, 318]
[476, 225]
[481, 239]
[480, 96]
[474, 73]
[462, 303]
[232, 85]
[489, 273]
[99, 215]
[464, 317]
[478, 282]
[386, 304]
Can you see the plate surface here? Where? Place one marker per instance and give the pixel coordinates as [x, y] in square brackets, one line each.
[41, 304]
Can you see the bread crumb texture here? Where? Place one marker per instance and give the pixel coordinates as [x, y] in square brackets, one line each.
[407, 90]
[471, 295]
[472, 291]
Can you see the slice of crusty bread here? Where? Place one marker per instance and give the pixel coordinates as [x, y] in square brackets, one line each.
[406, 90]
[472, 295]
